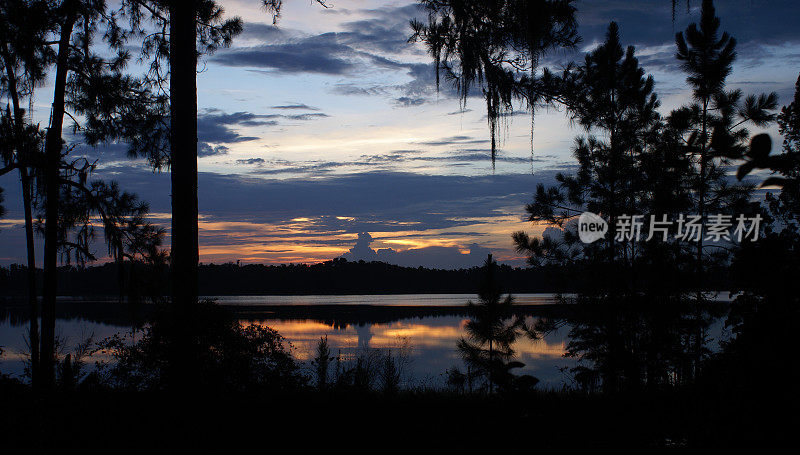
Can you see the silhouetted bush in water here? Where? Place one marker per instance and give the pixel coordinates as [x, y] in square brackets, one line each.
[70, 362]
[636, 342]
[393, 368]
[491, 333]
[321, 362]
[359, 372]
[226, 355]
[456, 380]
[5, 379]
[370, 369]
[70, 370]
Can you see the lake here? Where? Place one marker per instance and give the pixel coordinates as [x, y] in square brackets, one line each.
[429, 325]
[383, 300]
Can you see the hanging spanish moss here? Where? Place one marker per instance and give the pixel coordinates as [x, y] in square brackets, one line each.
[495, 47]
[675, 5]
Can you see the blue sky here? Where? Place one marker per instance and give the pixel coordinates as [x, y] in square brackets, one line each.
[330, 125]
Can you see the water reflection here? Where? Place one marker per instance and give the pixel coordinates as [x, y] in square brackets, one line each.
[637, 342]
[382, 300]
[432, 340]
[621, 344]
[69, 333]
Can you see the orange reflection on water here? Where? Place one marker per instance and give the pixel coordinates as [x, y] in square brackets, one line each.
[423, 336]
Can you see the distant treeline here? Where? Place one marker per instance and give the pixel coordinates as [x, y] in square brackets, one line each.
[342, 277]
[332, 277]
[337, 276]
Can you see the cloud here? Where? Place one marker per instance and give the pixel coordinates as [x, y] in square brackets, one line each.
[105, 153]
[361, 250]
[321, 54]
[261, 219]
[438, 257]
[421, 88]
[383, 30]
[377, 41]
[309, 167]
[650, 21]
[391, 160]
[479, 156]
[262, 32]
[204, 149]
[307, 116]
[406, 101]
[454, 140]
[352, 89]
[214, 126]
[217, 127]
[298, 106]
[459, 112]
[384, 198]
[251, 161]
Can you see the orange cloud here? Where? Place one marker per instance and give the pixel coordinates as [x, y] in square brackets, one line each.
[307, 240]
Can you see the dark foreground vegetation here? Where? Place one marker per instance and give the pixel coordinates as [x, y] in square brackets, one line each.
[247, 387]
[678, 421]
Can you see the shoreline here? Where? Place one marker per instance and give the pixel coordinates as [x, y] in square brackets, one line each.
[124, 314]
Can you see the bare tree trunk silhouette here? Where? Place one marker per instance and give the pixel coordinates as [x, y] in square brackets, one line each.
[26, 202]
[53, 147]
[183, 151]
[33, 337]
[701, 208]
[491, 364]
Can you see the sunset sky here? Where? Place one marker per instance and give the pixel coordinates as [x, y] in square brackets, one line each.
[330, 125]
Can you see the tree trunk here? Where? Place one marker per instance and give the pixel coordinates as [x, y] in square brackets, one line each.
[26, 202]
[491, 364]
[52, 172]
[32, 301]
[183, 153]
[183, 149]
[701, 208]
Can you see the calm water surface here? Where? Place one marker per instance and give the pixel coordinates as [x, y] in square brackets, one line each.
[431, 339]
[384, 300]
